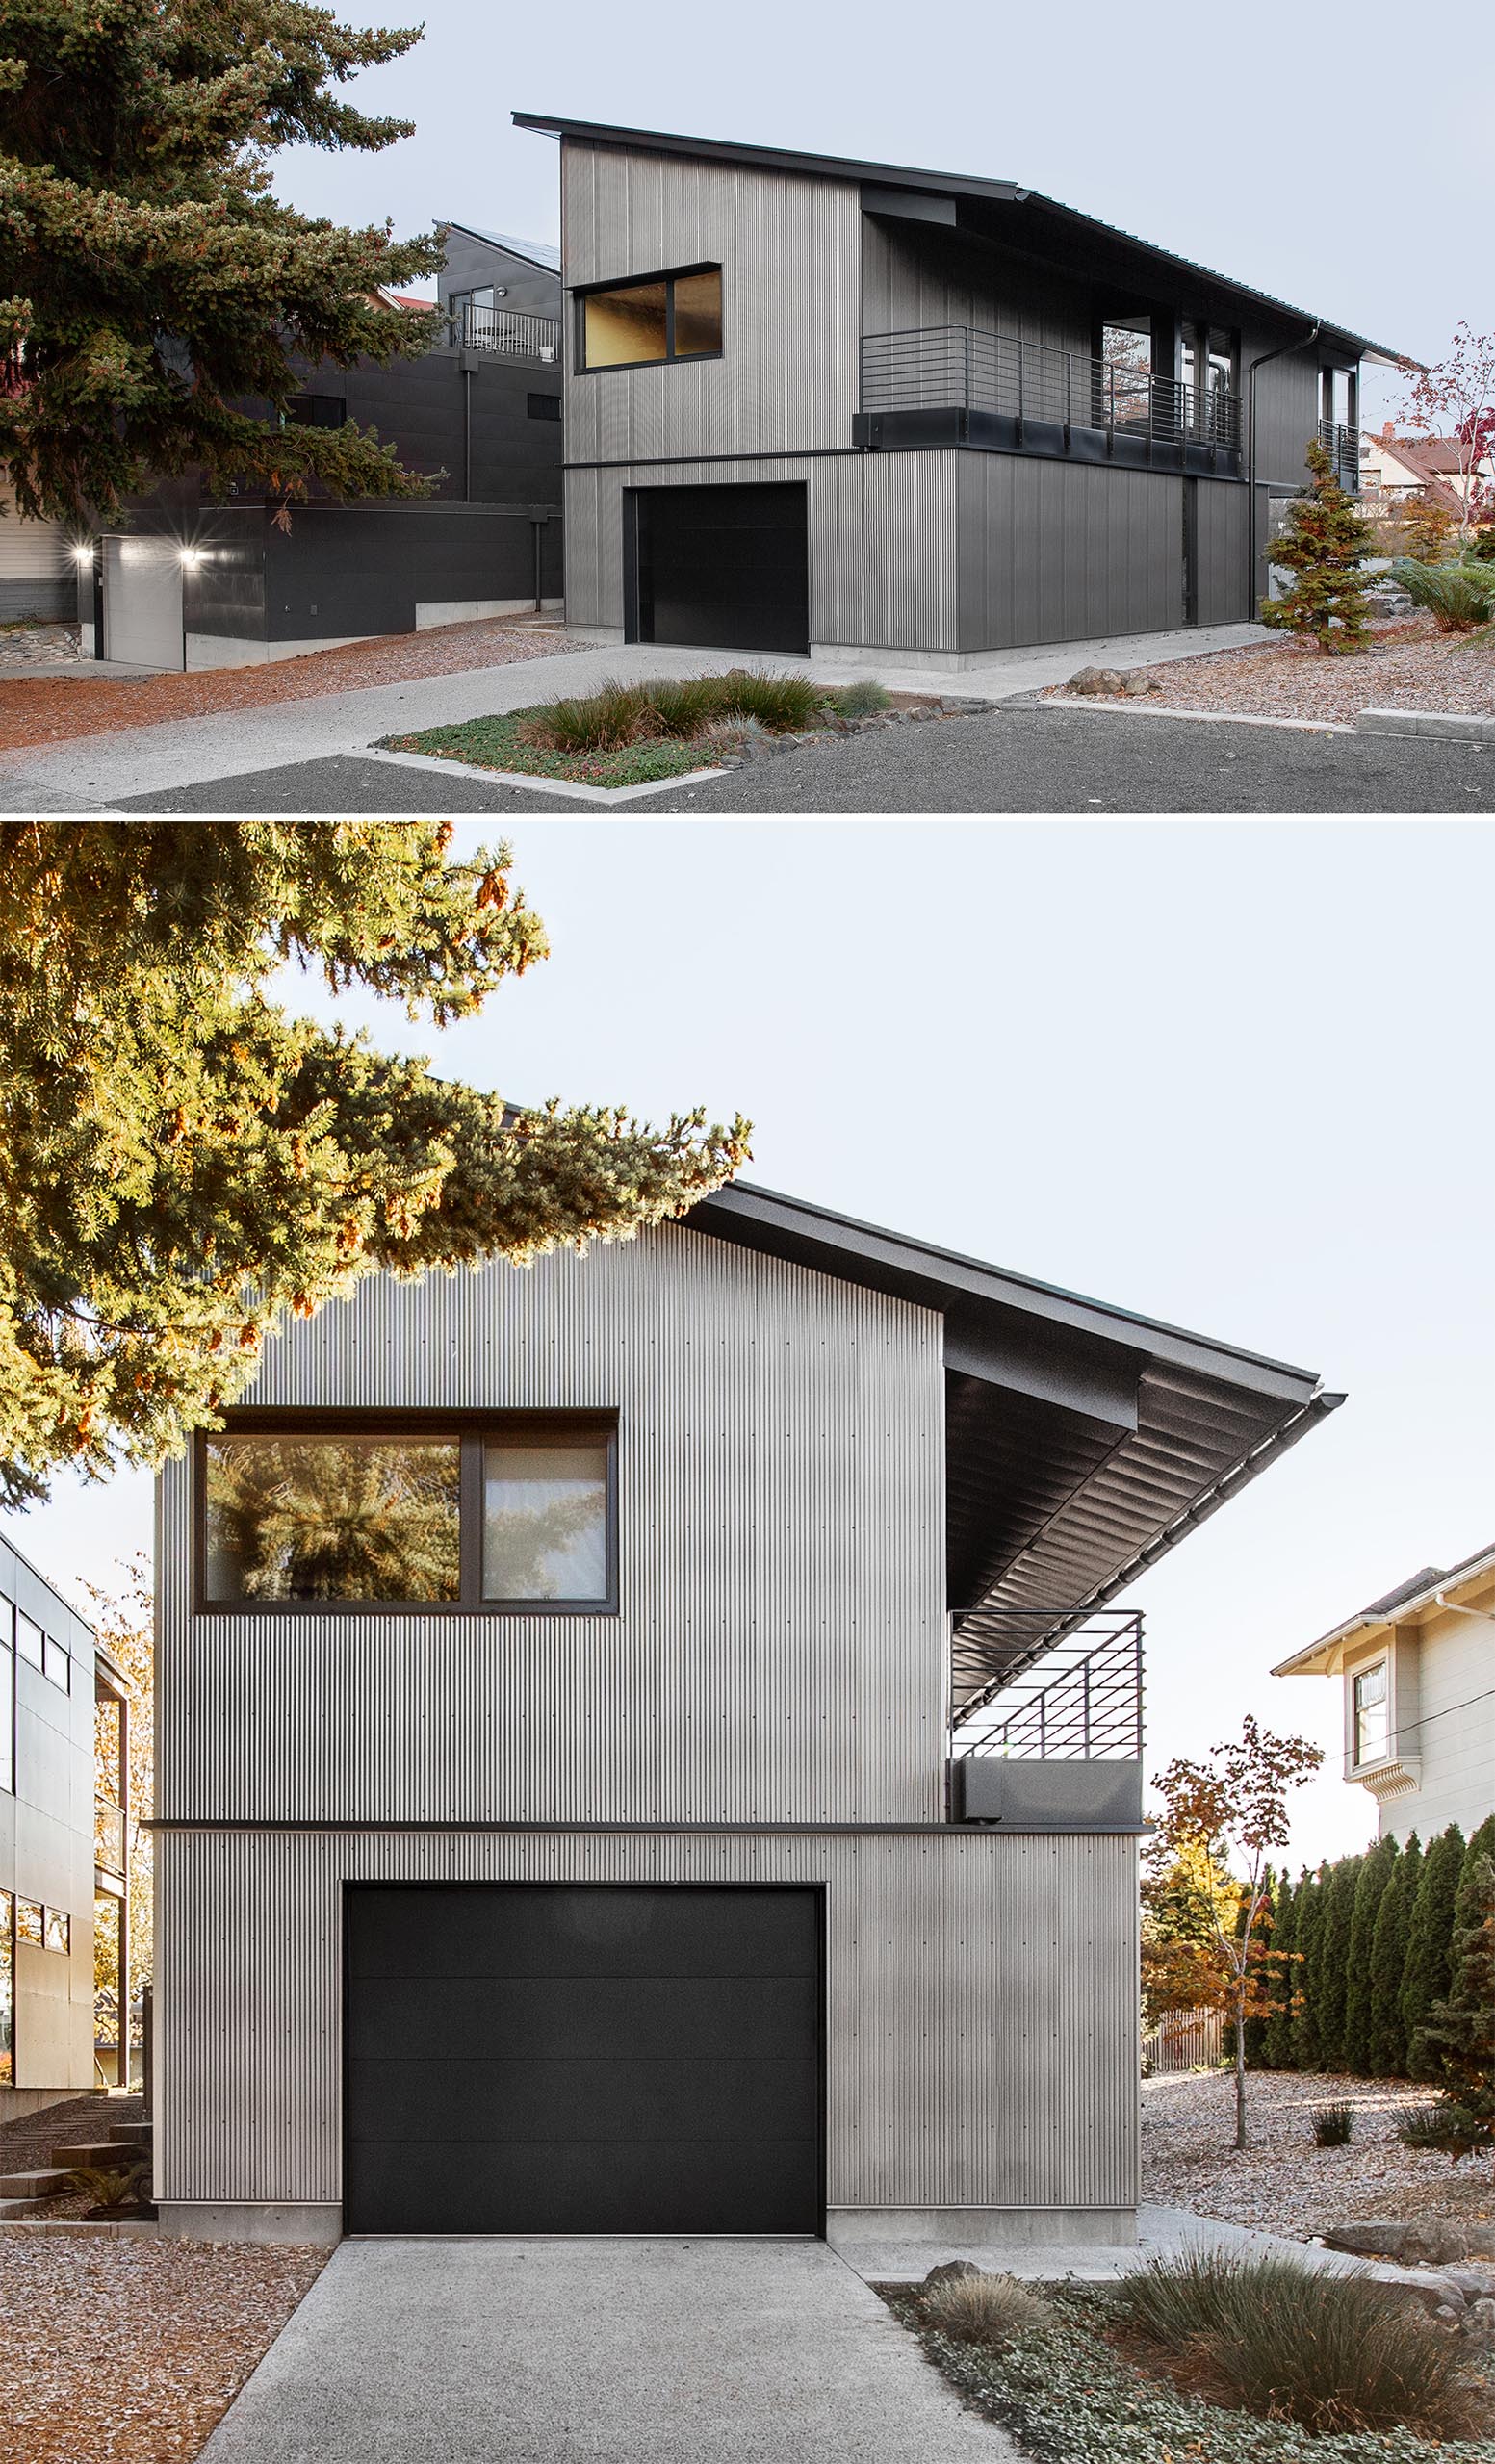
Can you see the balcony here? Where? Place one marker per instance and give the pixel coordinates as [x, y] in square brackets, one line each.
[505, 333]
[109, 1836]
[943, 385]
[1342, 444]
[1051, 1740]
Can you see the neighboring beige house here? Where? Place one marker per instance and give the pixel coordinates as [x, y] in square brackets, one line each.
[1394, 468]
[1418, 1670]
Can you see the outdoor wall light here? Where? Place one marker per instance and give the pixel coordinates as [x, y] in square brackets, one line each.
[189, 557]
[82, 552]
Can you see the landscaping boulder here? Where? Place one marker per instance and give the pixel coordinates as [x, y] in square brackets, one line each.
[1095, 679]
[1479, 2321]
[1427, 2241]
[1138, 681]
[1476, 2284]
[951, 2271]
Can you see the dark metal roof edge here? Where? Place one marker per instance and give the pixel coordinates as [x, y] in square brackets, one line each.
[874, 1246]
[48, 1585]
[954, 183]
[510, 246]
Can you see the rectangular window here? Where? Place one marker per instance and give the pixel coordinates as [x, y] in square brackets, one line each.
[316, 410]
[510, 1511]
[545, 406]
[545, 1520]
[55, 1930]
[661, 316]
[6, 1993]
[54, 1663]
[28, 1921]
[6, 1703]
[1371, 1714]
[28, 1639]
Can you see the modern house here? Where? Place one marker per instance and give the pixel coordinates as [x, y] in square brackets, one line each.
[647, 1743]
[1418, 1672]
[65, 1710]
[194, 583]
[830, 405]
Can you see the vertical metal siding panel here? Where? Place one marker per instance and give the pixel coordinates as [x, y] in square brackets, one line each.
[981, 2002]
[779, 1652]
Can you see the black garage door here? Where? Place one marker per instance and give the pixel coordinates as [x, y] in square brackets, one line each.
[539, 2057]
[720, 568]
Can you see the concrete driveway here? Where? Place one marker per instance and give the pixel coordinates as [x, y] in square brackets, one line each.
[597, 2352]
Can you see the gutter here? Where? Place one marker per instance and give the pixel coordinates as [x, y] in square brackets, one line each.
[1282, 351]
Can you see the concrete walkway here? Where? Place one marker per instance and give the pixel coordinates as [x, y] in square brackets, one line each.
[97, 772]
[597, 2352]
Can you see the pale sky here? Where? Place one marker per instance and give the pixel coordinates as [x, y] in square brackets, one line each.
[1246, 143]
[1234, 1075]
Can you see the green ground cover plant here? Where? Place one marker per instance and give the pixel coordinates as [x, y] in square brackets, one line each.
[1072, 2397]
[1459, 597]
[630, 734]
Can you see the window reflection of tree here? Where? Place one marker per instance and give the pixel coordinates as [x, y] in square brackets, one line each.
[336, 1520]
[549, 1551]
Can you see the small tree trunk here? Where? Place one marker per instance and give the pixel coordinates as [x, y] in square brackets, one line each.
[1240, 2066]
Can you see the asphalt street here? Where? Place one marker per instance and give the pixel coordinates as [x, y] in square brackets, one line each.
[1019, 760]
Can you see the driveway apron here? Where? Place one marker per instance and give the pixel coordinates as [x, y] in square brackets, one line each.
[596, 2353]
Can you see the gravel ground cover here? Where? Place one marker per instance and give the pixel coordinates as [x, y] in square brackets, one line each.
[122, 2349]
[1070, 2398]
[52, 709]
[1282, 2183]
[1409, 666]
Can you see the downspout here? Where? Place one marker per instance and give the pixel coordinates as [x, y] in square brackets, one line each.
[467, 435]
[1281, 352]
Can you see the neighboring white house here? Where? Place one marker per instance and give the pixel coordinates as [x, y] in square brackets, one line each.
[1418, 1670]
[1395, 468]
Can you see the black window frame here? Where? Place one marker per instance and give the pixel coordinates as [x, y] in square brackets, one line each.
[543, 406]
[669, 275]
[472, 1431]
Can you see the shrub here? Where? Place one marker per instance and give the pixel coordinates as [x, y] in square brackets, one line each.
[1459, 596]
[985, 2309]
[1333, 2125]
[1334, 2352]
[1426, 529]
[679, 707]
[108, 2188]
[1440, 2130]
[858, 701]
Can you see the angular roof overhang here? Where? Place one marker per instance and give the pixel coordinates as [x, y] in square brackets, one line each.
[1082, 1441]
[999, 210]
[1423, 1595]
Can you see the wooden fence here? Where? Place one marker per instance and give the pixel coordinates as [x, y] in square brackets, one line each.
[1184, 2041]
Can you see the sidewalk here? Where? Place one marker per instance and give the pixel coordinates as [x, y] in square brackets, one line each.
[98, 772]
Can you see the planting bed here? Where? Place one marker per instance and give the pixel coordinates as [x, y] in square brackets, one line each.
[1282, 2183]
[1409, 665]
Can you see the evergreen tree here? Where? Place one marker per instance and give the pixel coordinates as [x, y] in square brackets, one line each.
[1277, 2047]
[1335, 1987]
[1427, 1975]
[1322, 546]
[1388, 1963]
[183, 1162]
[1371, 1887]
[1305, 2034]
[155, 293]
[1458, 2037]
[1481, 1844]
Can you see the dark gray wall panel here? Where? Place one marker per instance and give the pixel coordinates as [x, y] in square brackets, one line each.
[1223, 597]
[1054, 551]
[912, 277]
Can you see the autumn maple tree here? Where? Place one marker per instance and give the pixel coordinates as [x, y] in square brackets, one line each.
[1454, 399]
[1209, 1870]
[183, 1161]
[155, 295]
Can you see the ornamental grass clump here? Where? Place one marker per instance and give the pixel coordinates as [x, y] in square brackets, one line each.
[1459, 597]
[1335, 2352]
[1333, 2125]
[985, 2309]
[682, 708]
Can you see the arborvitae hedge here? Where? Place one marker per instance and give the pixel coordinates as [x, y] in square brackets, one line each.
[1374, 1937]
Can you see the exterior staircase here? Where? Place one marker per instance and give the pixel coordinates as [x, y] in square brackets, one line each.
[37, 2158]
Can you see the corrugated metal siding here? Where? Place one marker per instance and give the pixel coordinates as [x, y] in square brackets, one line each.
[912, 277]
[780, 1651]
[981, 2002]
[1056, 552]
[882, 542]
[1223, 507]
[789, 251]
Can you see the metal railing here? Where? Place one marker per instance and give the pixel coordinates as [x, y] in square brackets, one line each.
[1076, 1699]
[962, 368]
[513, 333]
[1342, 444]
[109, 1836]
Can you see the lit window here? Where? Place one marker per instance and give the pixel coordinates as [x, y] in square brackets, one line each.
[636, 324]
[55, 1930]
[28, 1921]
[1372, 1713]
[545, 1520]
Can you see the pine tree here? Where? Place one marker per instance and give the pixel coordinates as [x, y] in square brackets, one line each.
[1481, 1844]
[1427, 1975]
[1334, 1986]
[1388, 1963]
[184, 1161]
[1458, 2037]
[1306, 2033]
[1371, 1887]
[1322, 546]
[1277, 2048]
[155, 293]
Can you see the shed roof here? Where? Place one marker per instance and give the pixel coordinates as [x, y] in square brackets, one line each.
[535, 252]
[1031, 215]
[1083, 1440]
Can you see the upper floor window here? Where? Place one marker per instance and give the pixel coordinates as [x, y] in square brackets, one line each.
[519, 1513]
[1371, 1714]
[660, 317]
[7, 1699]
